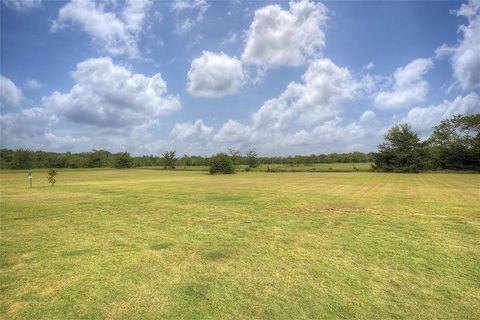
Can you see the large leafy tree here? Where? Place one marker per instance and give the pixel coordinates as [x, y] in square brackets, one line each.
[169, 159]
[22, 159]
[221, 163]
[98, 159]
[402, 151]
[455, 143]
[123, 160]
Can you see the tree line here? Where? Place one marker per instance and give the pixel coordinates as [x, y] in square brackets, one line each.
[28, 159]
[453, 145]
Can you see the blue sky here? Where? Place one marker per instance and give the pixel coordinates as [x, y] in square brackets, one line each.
[281, 77]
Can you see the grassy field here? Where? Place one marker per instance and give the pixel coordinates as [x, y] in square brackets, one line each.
[145, 244]
[320, 167]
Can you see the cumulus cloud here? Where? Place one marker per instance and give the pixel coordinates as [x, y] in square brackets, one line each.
[285, 37]
[326, 136]
[192, 132]
[409, 86]
[22, 5]
[109, 95]
[26, 125]
[234, 133]
[32, 84]
[115, 33]
[426, 118]
[214, 75]
[321, 96]
[305, 114]
[189, 13]
[368, 116]
[465, 56]
[108, 107]
[10, 94]
[194, 138]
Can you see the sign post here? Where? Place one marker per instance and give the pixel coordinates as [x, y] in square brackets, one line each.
[30, 177]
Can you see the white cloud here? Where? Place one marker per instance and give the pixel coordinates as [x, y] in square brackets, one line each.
[465, 57]
[306, 114]
[26, 128]
[368, 116]
[279, 37]
[428, 117]
[114, 33]
[22, 5]
[321, 96]
[109, 95]
[32, 84]
[134, 15]
[230, 39]
[108, 107]
[10, 94]
[368, 66]
[233, 132]
[192, 132]
[327, 136]
[189, 13]
[194, 138]
[214, 75]
[409, 87]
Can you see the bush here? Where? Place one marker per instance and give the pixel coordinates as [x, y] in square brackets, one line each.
[221, 163]
[123, 160]
[402, 151]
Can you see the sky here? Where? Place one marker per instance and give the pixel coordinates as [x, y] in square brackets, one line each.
[200, 77]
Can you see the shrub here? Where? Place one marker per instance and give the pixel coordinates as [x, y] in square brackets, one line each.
[123, 160]
[221, 163]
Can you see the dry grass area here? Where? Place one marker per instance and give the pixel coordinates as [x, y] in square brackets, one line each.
[148, 244]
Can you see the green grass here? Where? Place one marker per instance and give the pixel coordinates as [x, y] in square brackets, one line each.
[154, 244]
[320, 167]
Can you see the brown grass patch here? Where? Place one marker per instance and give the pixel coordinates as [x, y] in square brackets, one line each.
[16, 306]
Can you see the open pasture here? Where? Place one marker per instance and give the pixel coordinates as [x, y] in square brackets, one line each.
[147, 244]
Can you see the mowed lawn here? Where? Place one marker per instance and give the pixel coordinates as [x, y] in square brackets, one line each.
[153, 244]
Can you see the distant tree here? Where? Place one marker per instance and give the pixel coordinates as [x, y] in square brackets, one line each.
[252, 158]
[221, 163]
[123, 160]
[98, 159]
[52, 176]
[22, 159]
[455, 143]
[235, 156]
[402, 151]
[169, 159]
[76, 161]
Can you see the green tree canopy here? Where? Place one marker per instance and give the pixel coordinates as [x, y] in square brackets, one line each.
[252, 158]
[402, 151]
[455, 143]
[123, 160]
[221, 163]
[169, 159]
